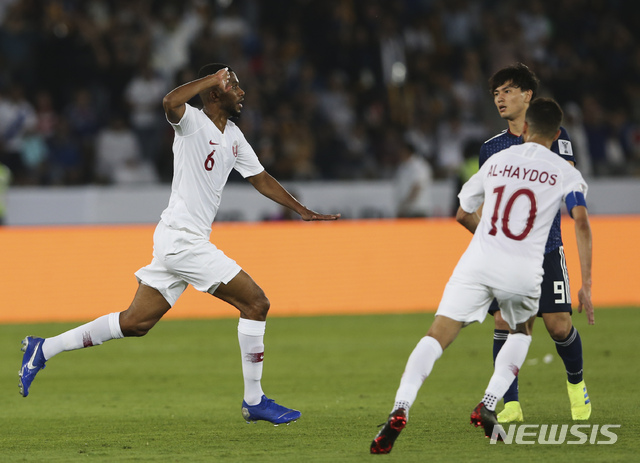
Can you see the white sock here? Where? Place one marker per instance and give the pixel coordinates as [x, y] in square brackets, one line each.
[251, 338]
[507, 366]
[418, 368]
[90, 334]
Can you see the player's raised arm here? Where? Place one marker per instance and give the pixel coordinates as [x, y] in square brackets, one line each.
[174, 101]
[271, 188]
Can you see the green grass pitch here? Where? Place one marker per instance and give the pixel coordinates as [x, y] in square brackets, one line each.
[175, 395]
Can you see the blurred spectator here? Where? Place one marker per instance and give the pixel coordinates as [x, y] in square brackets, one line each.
[135, 171]
[597, 134]
[172, 33]
[537, 29]
[18, 40]
[412, 184]
[453, 135]
[82, 116]
[504, 44]
[468, 168]
[34, 155]
[349, 78]
[17, 119]
[337, 105]
[144, 95]
[229, 24]
[421, 135]
[392, 54]
[417, 36]
[5, 6]
[634, 167]
[296, 146]
[469, 89]
[67, 166]
[622, 131]
[619, 141]
[119, 157]
[573, 123]
[357, 161]
[459, 18]
[5, 180]
[46, 115]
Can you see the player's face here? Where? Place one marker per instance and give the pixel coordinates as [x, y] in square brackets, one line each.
[511, 101]
[232, 100]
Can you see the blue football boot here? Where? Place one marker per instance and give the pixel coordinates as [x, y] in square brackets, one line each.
[32, 362]
[269, 410]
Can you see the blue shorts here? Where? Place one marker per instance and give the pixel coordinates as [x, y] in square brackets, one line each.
[556, 294]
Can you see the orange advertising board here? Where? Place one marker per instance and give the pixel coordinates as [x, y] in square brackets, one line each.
[344, 267]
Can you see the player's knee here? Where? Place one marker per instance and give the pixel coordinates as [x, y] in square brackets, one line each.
[258, 308]
[141, 329]
[137, 328]
[262, 306]
[559, 331]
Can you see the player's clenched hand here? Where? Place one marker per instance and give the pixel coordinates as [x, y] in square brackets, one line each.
[311, 215]
[584, 298]
[222, 79]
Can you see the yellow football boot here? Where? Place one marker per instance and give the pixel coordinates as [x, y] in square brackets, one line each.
[512, 412]
[580, 403]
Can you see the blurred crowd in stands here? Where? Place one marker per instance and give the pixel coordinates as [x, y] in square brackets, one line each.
[335, 88]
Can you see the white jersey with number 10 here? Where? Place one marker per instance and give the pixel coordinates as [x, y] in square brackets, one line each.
[522, 189]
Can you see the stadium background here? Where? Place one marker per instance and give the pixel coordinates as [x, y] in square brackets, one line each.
[332, 89]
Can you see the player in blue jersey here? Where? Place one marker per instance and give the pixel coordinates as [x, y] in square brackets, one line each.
[513, 89]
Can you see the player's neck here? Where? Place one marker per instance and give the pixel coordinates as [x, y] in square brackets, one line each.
[219, 118]
[539, 140]
[516, 125]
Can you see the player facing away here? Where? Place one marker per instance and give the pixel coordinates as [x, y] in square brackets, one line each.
[521, 187]
[207, 145]
[513, 88]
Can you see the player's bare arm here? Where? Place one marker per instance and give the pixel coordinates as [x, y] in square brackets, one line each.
[174, 102]
[271, 188]
[468, 220]
[584, 242]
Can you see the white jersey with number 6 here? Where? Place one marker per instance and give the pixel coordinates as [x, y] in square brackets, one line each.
[203, 160]
[522, 188]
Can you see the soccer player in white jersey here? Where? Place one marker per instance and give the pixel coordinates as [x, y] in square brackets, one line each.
[207, 146]
[521, 188]
[513, 88]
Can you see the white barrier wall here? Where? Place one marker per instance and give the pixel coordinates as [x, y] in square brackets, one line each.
[240, 202]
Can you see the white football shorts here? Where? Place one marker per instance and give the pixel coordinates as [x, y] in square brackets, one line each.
[468, 302]
[182, 258]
